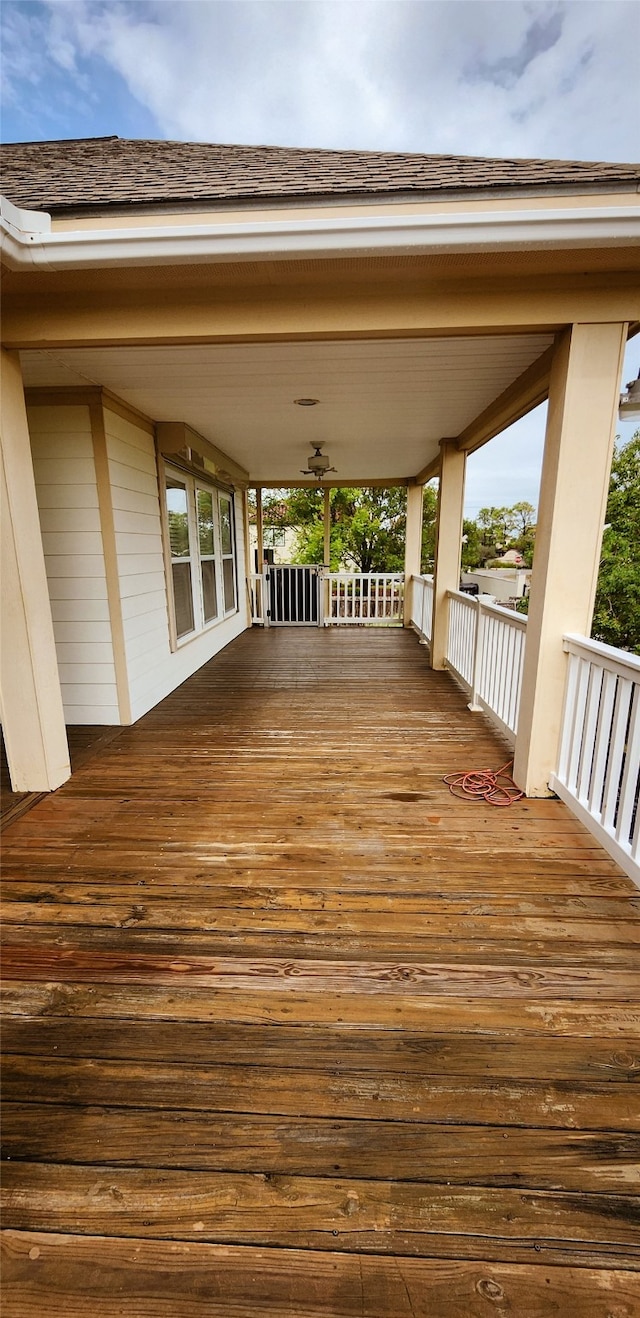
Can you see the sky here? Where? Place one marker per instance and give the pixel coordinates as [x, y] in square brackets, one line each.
[469, 77]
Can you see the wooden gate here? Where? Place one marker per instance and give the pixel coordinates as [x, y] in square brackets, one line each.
[293, 596]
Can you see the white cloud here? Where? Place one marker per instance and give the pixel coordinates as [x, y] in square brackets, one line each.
[488, 77]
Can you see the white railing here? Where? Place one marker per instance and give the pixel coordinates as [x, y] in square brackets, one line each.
[256, 596]
[422, 606]
[485, 652]
[462, 637]
[370, 598]
[599, 761]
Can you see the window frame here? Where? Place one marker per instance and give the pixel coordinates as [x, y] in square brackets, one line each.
[225, 557]
[193, 484]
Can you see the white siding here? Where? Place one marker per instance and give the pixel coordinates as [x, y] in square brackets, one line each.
[71, 534]
[153, 670]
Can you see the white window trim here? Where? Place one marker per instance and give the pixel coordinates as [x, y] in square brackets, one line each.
[224, 494]
[192, 484]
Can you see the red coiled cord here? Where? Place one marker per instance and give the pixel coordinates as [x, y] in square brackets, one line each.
[494, 786]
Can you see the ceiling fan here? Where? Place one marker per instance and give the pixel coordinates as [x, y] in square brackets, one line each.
[319, 464]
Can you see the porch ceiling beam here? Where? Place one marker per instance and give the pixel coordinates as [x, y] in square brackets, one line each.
[109, 317]
[367, 482]
[427, 474]
[530, 389]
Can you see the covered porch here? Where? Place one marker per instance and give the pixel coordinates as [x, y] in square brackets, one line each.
[285, 1019]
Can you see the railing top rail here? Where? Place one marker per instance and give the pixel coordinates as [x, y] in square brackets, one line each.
[423, 576]
[387, 576]
[506, 615]
[461, 595]
[617, 661]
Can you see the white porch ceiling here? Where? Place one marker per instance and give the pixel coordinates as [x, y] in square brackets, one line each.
[384, 403]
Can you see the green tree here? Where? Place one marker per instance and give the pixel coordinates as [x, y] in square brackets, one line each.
[498, 529]
[472, 546]
[616, 618]
[367, 527]
[497, 526]
[524, 517]
[429, 510]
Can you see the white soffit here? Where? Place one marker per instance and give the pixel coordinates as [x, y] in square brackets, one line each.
[384, 403]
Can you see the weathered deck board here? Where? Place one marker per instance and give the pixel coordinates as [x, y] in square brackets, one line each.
[290, 1030]
[328, 1212]
[75, 1276]
[164, 1134]
[329, 1049]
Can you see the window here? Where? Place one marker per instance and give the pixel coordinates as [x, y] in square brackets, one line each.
[180, 545]
[206, 540]
[274, 537]
[201, 539]
[228, 565]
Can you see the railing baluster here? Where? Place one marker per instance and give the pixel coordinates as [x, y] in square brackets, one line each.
[578, 727]
[602, 740]
[590, 724]
[598, 773]
[630, 773]
[616, 753]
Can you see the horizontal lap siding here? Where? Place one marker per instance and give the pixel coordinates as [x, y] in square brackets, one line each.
[136, 516]
[153, 670]
[65, 475]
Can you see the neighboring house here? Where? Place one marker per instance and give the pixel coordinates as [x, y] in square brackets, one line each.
[512, 558]
[278, 537]
[167, 305]
[502, 583]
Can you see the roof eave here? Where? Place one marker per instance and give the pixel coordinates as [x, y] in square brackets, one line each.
[28, 242]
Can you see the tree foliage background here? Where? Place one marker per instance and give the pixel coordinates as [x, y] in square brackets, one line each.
[367, 526]
[368, 530]
[616, 618]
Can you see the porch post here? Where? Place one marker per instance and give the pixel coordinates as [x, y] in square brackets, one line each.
[448, 543]
[412, 546]
[327, 526]
[246, 541]
[259, 529]
[583, 408]
[32, 713]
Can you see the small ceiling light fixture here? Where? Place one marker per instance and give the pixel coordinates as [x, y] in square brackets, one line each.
[319, 464]
[306, 402]
[630, 402]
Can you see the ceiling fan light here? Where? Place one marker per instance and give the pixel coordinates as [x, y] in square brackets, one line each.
[318, 464]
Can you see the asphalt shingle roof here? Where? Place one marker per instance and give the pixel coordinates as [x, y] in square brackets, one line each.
[96, 173]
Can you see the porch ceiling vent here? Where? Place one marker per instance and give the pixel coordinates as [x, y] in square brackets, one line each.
[319, 464]
[630, 402]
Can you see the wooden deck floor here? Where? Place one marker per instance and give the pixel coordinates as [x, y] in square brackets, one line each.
[290, 1031]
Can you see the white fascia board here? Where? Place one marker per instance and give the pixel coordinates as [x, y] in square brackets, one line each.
[27, 240]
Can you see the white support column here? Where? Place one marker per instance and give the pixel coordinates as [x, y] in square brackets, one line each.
[583, 408]
[325, 585]
[259, 530]
[327, 526]
[246, 543]
[412, 546]
[32, 714]
[448, 543]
